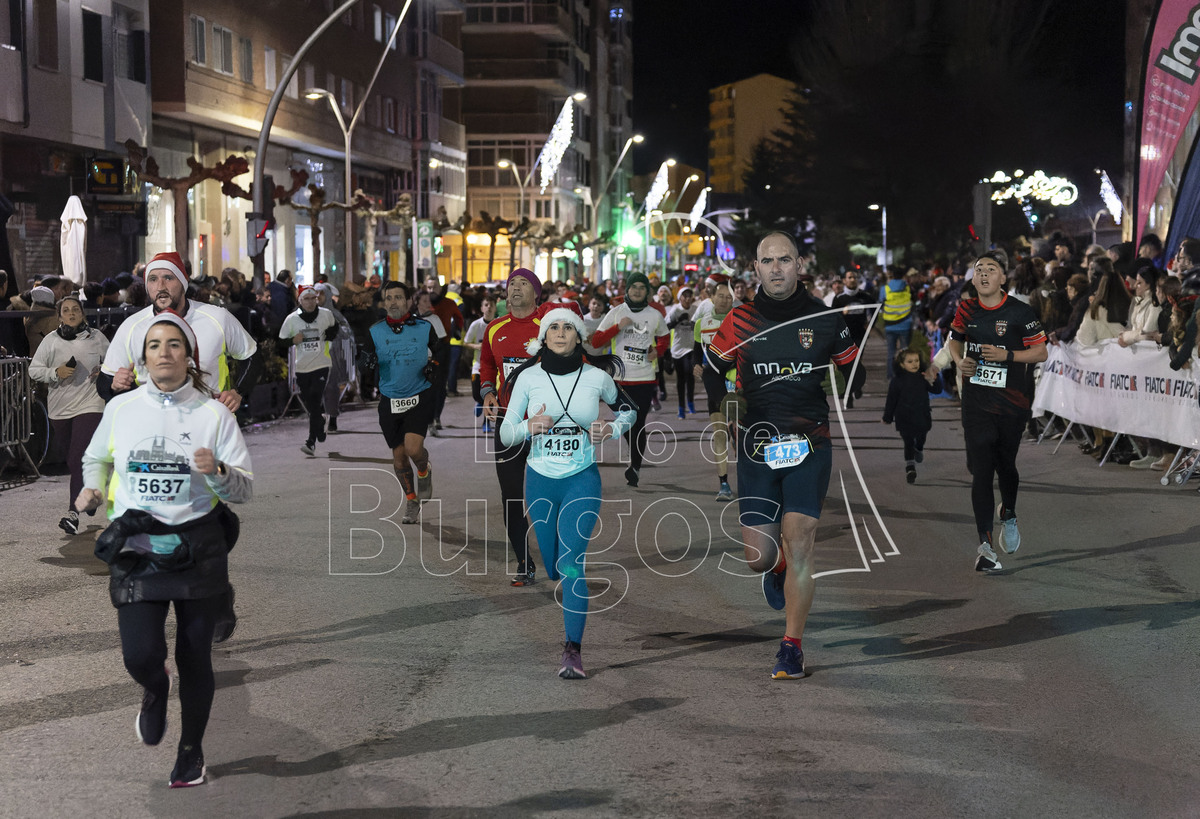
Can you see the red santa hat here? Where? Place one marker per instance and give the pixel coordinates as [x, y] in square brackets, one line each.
[171, 262]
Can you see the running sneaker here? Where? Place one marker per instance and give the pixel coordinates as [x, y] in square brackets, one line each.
[691, 408]
[332, 425]
[920, 456]
[1010, 538]
[309, 448]
[425, 485]
[631, 476]
[525, 578]
[772, 585]
[790, 665]
[70, 523]
[572, 663]
[988, 560]
[726, 492]
[487, 427]
[682, 414]
[910, 473]
[655, 405]
[412, 512]
[321, 436]
[151, 722]
[431, 431]
[189, 768]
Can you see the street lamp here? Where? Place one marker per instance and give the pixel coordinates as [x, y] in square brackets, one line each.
[882, 208]
[505, 163]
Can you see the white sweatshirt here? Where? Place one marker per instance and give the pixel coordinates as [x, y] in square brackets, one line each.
[77, 395]
[147, 439]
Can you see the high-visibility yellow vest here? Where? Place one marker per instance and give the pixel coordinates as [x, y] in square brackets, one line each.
[898, 304]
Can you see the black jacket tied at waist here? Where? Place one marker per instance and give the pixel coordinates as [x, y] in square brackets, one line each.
[198, 567]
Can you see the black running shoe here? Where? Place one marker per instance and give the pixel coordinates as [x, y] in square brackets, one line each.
[910, 474]
[631, 476]
[151, 722]
[332, 425]
[189, 768]
[70, 523]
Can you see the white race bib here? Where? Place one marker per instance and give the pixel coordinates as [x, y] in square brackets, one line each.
[158, 484]
[786, 450]
[561, 442]
[402, 405]
[988, 375]
[310, 346]
[510, 365]
[634, 355]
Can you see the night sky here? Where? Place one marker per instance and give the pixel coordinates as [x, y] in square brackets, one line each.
[1074, 114]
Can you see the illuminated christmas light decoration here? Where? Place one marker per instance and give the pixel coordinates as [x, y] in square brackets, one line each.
[558, 142]
[1056, 190]
[1111, 201]
[698, 208]
[658, 190]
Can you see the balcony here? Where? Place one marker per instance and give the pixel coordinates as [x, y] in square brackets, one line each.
[445, 59]
[551, 74]
[452, 134]
[544, 19]
[538, 124]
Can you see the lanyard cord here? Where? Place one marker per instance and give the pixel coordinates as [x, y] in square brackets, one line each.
[570, 395]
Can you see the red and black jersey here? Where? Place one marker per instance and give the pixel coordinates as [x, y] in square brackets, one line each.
[781, 364]
[998, 387]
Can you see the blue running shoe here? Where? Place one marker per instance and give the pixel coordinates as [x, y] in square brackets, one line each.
[1010, 538]
[773, 589]
[790, 665]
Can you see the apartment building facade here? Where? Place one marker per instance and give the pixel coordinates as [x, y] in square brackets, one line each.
[215, 65]
[528, 61]
[741, 114]
[75, 86]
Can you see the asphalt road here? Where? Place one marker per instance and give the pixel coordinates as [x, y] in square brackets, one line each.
[392, 671]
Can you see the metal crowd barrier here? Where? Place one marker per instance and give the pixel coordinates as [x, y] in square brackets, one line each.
[16, 404]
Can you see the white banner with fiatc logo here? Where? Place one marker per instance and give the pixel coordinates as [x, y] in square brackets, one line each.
[1131, 390]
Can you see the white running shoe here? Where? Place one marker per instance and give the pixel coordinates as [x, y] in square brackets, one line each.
[988, 560]
[1010, 537]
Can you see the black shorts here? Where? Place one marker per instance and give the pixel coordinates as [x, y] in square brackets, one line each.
[412, 421]
[765, 494]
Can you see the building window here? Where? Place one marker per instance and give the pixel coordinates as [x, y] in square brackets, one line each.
[293, 86]
[222, 50]
[199, 41]
[45, 18]
[246, 52]
[390, 23]
[347, 95]
[310, 75]
[129, 45]
[389, 115]
[93, 46]
[270, 79]
[377, 17]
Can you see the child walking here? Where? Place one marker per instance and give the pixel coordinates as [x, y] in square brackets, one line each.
[908, 405]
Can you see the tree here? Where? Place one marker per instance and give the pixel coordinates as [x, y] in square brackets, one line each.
[492, 226]
[401, 214]
[316, 205]
[146, 168]
[910, 104]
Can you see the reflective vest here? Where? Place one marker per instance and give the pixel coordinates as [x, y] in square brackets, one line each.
[898, 304]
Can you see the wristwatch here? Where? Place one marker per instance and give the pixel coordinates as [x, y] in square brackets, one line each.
[222, 470]
[1009, 358]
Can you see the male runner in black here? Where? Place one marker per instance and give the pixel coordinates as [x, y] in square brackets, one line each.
[995, 341]
[782, 344]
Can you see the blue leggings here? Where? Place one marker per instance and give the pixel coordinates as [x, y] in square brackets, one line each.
[564, 512]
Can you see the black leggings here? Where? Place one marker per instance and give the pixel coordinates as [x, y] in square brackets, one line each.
[992, 442]
[510, 470]
[641, 395]
[312, 395]
[914, 442]
[77, 432]
[685, 381]
[144, 646]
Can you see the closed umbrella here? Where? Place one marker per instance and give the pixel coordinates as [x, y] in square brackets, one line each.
[73, 241]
